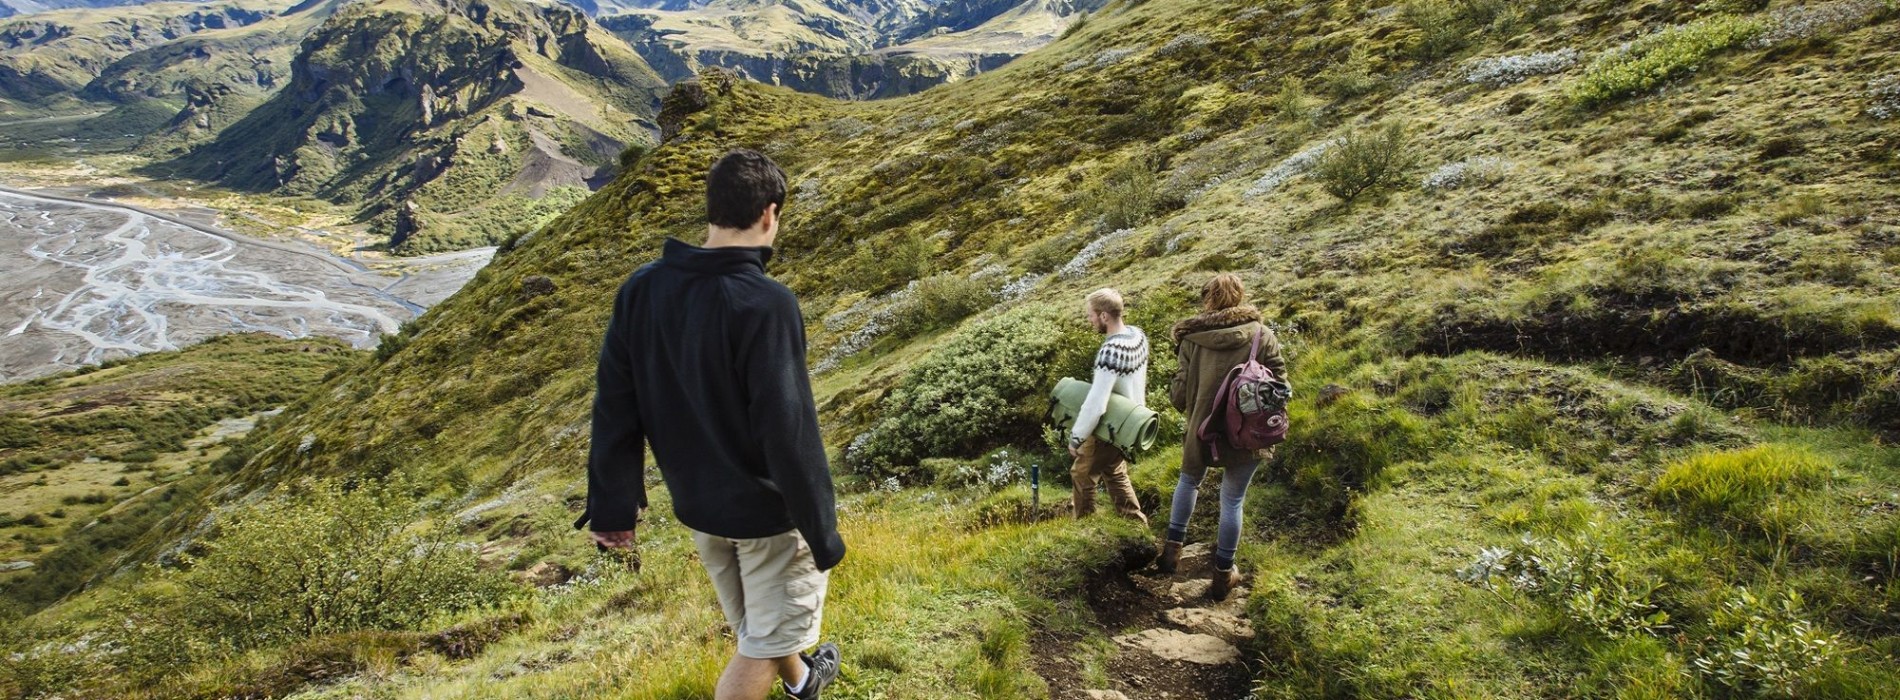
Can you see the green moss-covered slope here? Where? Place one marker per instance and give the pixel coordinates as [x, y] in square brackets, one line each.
[1591, 306]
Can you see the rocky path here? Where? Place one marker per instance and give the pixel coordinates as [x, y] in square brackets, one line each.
[1170, 640]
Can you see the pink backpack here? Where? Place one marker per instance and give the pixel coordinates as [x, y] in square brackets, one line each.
[1251, 404]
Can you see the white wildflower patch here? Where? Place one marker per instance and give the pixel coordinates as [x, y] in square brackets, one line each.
[843, 319]
[1294, 166]
[877, 323]
[1020, 287]
[1803, 22]
[1079, 265]
[1183, 44]
[809, 193]
[1884, 94]
[1470, 172]
[1004, 469]
[1499, 71]
[849, 127]
[990, 271]
[1174, 244]
[891, 485]
[1106, 57]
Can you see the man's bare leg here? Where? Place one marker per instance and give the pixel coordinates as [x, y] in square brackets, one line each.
[751, 679]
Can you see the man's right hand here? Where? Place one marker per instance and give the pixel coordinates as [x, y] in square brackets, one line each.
[614, 540]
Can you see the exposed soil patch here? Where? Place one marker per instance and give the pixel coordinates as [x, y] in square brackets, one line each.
[1170, 640]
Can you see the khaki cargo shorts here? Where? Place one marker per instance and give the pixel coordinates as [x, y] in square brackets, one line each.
[770, 588]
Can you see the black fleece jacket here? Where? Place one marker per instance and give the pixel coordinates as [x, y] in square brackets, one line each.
[705, 359]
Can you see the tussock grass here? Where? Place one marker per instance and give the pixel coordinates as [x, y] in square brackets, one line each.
[1738, 483]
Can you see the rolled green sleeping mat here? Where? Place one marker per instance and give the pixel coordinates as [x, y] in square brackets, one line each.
[1127, 425]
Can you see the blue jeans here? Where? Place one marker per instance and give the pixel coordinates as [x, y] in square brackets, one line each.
[1233, 493]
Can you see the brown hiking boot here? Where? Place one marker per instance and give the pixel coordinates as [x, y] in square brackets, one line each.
[1224, 583]
[1170, 557]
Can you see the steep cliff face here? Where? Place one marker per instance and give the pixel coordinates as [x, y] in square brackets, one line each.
[423, 114]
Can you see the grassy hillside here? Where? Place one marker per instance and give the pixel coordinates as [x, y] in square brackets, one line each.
[1592, 312]
[94, 459]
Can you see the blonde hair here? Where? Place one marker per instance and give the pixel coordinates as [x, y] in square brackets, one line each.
[1223, 292]
[1106, 301]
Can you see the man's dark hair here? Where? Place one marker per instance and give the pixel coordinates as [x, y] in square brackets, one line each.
[740, 187]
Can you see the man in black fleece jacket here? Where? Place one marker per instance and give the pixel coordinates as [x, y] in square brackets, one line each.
[705, 359]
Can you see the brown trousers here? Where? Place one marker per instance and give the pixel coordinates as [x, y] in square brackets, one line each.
[1100, 461]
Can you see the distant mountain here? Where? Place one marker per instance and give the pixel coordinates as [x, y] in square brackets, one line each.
[447, 122]
[840, 48]
[13, 8]
[55, 53]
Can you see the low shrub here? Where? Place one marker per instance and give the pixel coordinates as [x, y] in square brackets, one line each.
[17, 433]
[1445, 26]
[1365, 160]
[941, 301]
[1647, 63]
[874, 268]
[982, 389]
[331, 559]
[1588, 584]
[1737, 483]
[1350, 77]
[1290, 102]
[1125, 197]
[1766, 647]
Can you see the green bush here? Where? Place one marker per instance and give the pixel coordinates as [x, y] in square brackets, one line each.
[16, 433]
[1350, 77]
[1766, 648]
[1592, 587]
[333, 559]
[1736, 484]
[941, 301]
[874, 268]
[1445, 26]
[1647, 63]
[1290, 102]
[982, 389]
[1125, 197]
[1365, 160]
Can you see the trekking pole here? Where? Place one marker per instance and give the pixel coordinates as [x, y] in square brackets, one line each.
[1035, 492]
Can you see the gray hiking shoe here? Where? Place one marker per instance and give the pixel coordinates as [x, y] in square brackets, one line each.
[821, 668]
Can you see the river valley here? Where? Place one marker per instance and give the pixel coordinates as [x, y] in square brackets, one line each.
[88, 281]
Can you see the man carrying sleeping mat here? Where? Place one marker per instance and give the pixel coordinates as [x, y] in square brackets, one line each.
[1121, 367]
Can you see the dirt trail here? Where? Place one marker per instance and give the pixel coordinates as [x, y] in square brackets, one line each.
[1171, 641]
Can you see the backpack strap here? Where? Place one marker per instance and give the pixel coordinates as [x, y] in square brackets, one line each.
[1220, 398]
[1254, 354]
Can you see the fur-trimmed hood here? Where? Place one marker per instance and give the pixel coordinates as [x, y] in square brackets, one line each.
[1215, 320]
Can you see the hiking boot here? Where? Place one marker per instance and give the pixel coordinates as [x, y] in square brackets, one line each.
[1170, 557]
[821, 668]
[1224, 583]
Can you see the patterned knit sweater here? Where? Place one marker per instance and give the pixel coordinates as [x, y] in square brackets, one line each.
[1121, 367]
